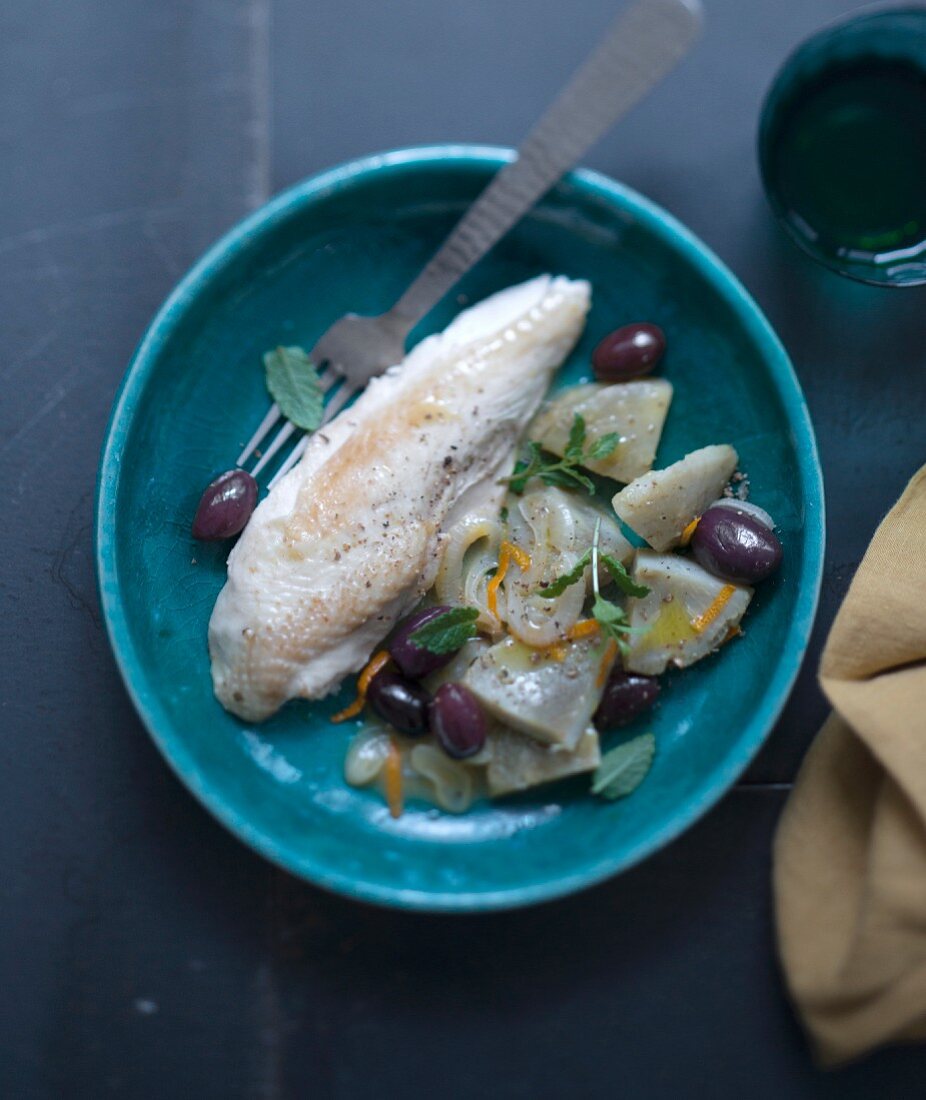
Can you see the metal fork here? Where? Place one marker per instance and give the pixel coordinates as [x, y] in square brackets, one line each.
[642, 45]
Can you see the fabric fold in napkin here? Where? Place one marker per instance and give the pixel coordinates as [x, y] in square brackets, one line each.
[850, 852]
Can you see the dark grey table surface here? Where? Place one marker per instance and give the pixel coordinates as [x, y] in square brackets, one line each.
[143, 951]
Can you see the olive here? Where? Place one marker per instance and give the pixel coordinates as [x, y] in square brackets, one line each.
[399, 702]
[735, 546]
[225, 506]
[412, 659]
[458, 721]
[628, 352]
[747, 507]
[625, 695]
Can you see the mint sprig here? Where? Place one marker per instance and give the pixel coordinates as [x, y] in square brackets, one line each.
[611, 617]
[623, 769]
[294, 384]
[622, 578]
[563, 472]
[616, 569]
[613, 621]
[559, 586]
[447, 632]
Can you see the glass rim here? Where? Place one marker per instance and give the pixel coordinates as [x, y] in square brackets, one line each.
[860, 271]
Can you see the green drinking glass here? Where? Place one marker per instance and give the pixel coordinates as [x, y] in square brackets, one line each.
[842, 145]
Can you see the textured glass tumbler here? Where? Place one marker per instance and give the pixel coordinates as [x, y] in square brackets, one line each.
[842, 145]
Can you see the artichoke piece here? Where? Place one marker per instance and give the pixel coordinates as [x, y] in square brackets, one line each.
[635, 410]
[530, 690]
[660, 505]
[687, 615]
[519, 762]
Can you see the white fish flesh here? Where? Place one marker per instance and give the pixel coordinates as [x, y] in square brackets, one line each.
[351, 538]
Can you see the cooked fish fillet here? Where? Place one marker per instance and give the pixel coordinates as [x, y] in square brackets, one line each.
[350, 539]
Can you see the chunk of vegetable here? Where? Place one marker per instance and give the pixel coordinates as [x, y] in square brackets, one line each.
[635, 410]
[687, 614]
[520, 762]
[660, 505]
[549, 696]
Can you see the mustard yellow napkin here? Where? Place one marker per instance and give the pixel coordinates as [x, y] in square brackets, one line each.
[850, 853]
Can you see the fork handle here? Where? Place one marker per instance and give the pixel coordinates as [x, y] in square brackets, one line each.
[643, 44]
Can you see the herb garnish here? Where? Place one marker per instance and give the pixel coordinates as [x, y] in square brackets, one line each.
[448, 632]
[610, 617]
[623, 769]
[619, 575]
[293, 383]
[563, 472]
[559, 586]
[622, 578]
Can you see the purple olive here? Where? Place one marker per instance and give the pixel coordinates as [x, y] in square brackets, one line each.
[628, 352]
[625, 696]
[225, 506]
[735, 546]
[412, 659]
[458, 721]
[399, 702]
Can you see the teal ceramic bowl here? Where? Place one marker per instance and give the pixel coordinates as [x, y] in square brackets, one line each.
[351, 239]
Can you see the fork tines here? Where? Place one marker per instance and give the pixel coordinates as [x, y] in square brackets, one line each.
[328, 378]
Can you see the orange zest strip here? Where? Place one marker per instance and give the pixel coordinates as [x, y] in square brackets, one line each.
[689, 531]
[702, 622]
[393, 775]
[506, 552]
[521, 557]
[374, 665]
[584, 628]
[605, 667]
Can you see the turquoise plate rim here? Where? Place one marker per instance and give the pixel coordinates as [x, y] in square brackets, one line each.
[703, 797]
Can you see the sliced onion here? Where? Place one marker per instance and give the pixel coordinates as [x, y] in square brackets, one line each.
[366, 756]
[452, 782]
[471, 553]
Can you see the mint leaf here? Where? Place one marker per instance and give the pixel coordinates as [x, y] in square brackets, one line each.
[623, 769]
[612, 620]
[293, 384]
[562, 472]
[559, 586]
[621, 578]
[525, 469]
[576, 443]
[448, 632]
[604, 446]
[567, 479]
